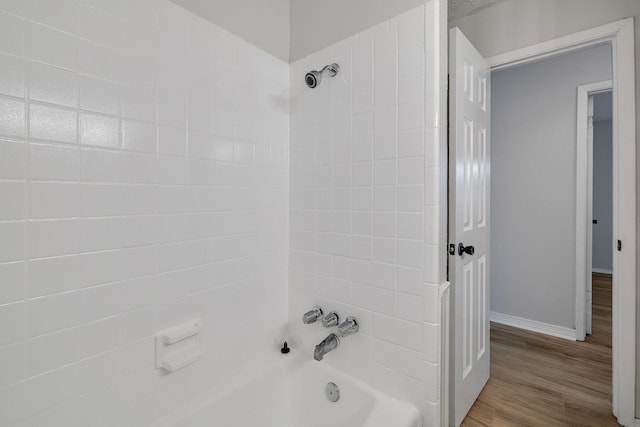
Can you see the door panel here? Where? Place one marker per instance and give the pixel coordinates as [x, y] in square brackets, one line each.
[467, 319]
[483, 316]
[469, 186]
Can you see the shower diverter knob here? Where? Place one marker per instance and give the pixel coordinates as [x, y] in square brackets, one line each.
[331, 319]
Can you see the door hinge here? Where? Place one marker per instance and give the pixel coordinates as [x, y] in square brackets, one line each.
[619, 245]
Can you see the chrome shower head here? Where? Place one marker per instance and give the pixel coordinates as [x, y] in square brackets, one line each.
[313, 78]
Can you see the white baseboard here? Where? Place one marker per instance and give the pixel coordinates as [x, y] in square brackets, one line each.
[637, 422]
[534, 326]
[602, 270]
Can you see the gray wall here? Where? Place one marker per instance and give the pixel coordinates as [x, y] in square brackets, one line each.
[293, 29]
[602, 194]
[533, 184]
[513, 24]
[262, 23]
[519, 23]
[316, 24]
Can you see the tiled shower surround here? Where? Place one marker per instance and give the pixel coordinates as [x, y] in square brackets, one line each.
[144, 178]
[144, 174]
[367, 221]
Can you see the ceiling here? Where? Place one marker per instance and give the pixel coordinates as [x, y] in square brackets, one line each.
[461, 8]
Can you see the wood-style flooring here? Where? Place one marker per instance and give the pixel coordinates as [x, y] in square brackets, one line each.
[537, 380]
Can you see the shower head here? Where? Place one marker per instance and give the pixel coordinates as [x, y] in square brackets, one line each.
[313, 78]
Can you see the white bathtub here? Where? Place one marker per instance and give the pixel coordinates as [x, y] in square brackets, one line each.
[290, 392]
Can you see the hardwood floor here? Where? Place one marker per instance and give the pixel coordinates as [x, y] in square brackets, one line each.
[537, 380]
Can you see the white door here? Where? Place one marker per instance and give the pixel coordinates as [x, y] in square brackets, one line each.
[469, 220]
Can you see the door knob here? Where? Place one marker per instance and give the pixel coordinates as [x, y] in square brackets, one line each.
[462, 249]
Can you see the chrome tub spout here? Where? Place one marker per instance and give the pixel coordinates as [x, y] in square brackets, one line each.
[327, 344]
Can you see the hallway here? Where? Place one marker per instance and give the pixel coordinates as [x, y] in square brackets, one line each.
[538, 380]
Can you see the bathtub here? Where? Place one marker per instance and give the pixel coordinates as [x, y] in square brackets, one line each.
[290, 392]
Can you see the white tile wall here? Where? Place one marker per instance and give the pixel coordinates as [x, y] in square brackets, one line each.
[144, 180]
[367, 216]
[144, 165]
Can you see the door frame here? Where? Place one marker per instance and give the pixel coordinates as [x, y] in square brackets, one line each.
[584, 201]
[620, 35]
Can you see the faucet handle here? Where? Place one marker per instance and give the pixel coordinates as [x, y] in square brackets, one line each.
[331, 319]
[312, 315]
[348, 327]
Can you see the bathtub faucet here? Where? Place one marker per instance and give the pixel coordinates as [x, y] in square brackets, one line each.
[312, 315]
[327, 344]
[348, 327]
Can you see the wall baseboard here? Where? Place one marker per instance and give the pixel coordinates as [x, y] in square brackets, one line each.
[637, 422]
[602, 270]
[534, 326]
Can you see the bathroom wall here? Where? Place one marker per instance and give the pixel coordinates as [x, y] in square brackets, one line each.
[533, 184]
[513, 24]
[144, 182]
[367, 216]
[265, 24]
[318, 24]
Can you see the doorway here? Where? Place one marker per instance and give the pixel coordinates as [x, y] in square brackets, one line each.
[529, 367]
[619, 36]
[540, 171]
[600, 295]
[594, 197]
[602, 247]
